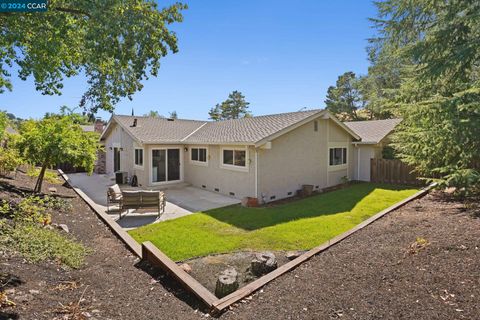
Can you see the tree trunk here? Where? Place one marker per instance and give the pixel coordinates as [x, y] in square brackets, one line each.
[263, 263]
[227, 283]
[41, 175]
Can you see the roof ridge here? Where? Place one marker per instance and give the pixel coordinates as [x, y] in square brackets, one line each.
[269, 115]
[158, 118]
[371, 120]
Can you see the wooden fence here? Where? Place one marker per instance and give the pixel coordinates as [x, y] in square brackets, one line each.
[392, 171]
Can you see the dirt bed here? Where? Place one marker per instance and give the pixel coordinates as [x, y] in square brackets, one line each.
[112, 284]
[383, 271]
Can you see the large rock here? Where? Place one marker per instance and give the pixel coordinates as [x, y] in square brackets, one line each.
[263, 263]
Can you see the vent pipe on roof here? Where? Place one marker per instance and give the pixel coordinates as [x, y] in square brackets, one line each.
[134, 122]
[170, 119]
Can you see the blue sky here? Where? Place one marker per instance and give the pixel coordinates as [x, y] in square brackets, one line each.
[282, 55]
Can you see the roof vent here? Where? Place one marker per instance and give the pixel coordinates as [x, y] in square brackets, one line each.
[170, 119]
[134, 122]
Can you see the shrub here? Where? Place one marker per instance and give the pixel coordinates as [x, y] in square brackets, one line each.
[9, 160]
[36, 243]
[58, 204]
[5, 209]
[32, 209]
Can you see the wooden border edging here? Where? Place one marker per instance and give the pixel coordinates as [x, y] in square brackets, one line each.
[245, 291]
[157, 258]
[131, 244]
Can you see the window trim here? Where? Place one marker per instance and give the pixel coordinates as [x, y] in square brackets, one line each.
[233, 166]
[198, 162]
[336, 167]
[143, 158]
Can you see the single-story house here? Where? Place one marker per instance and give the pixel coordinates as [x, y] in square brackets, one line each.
[375, 135]
[265, 157]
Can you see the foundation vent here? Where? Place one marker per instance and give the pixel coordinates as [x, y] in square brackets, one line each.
[232, 194]
[216, 189]
[273, 197]
[290, 193]
[204, 186]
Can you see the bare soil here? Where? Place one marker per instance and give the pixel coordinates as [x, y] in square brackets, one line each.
[207, 269]
[386, 270]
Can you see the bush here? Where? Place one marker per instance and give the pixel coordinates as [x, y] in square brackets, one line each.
[37, 243]
[9, 160]
[24, 229]
[50, 176]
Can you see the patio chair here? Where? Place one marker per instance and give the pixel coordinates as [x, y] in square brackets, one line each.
[114, 195]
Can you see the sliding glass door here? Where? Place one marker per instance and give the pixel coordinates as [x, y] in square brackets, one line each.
[165, 165]
[173, 164]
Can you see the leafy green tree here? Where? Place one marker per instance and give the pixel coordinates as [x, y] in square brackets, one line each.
[344, 99]
[116, 44]
[233, 108]
[173, 115]
[51, 141]
[3, 124]
[435, 47]
[78, 118]
[153, 114]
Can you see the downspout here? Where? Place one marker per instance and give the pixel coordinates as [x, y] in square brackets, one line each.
[256, 173]
[358, 161]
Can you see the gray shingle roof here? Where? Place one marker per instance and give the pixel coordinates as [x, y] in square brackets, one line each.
[247, 130]
[88, 128]
[158, 130]
[373, 131]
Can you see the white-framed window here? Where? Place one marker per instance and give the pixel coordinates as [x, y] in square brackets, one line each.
[337, 156]
[138, 157]
[199, 155]
[234, 158]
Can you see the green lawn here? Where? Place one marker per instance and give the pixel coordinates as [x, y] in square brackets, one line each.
[301, 224]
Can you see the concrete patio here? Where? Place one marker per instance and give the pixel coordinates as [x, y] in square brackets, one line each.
[182, 200]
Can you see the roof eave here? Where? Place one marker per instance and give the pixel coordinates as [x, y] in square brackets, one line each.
[364, 142]
[123, 127]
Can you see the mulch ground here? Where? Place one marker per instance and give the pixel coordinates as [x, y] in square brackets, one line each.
[376, 273]
[113, 285]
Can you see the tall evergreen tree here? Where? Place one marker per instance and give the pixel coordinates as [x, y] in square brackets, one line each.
[344, 99]
[233, 108]
[436, 45]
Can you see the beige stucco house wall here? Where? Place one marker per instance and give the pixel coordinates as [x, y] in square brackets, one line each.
[214, 176]
[120, 139]
[281, 154]
[362, 153]
[301, 157]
